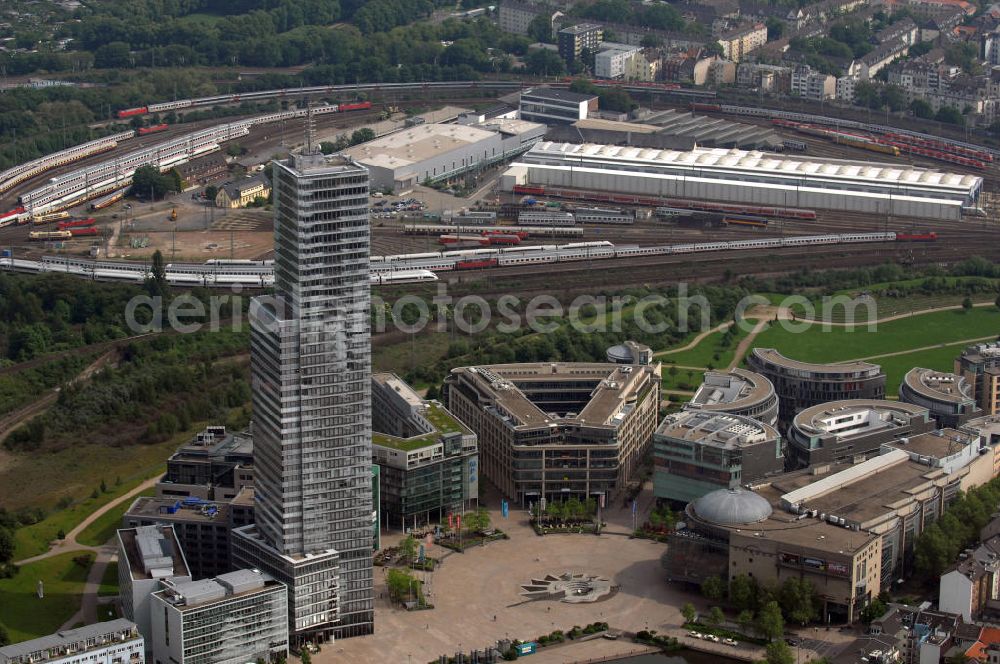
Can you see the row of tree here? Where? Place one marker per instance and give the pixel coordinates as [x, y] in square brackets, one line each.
[796, 599]
[939, 545]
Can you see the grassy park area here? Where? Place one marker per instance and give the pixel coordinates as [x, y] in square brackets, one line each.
[103, 528]
[931, 340]
[25, 615]
[839, 344]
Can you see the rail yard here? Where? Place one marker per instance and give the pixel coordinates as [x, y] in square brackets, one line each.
[639, 238]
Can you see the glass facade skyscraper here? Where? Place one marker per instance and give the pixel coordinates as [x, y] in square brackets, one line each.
[311, 372]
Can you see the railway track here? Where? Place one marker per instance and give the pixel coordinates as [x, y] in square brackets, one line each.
[577, 278]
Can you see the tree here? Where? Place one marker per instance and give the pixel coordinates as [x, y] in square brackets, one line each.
[743, 592]
[408, 549]
[157, 282]
[967, 304]
[362, 135]
[996, 302]
[113, 55]
[148, 181]
[770, 624]
[6, 546]
[687, 611]
[950, 115]
[799, 600]
[713, 588]
[4, 637]
[866, 94]
[778, 652]
[894, 97]
[746, 621]
[715, 616]
[775, 28]
[540, 28]
[326, 147]
[714, 48]
[305, 656]
[211, 191]
[543, 62]
[875, 609]
[478, 521]
[921, 109]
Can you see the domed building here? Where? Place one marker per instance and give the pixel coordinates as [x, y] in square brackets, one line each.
[730, 532]
[729, 508]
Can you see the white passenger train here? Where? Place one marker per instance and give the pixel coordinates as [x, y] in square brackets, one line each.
[415, 268]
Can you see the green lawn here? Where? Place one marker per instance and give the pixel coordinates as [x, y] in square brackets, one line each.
[42, 479]
[839, 344]
[895, 367]
[705, 352]
[682, 381]
[104, 527]
[25, 615]
[109, 582]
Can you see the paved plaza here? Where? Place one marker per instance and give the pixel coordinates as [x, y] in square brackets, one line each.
[477, 598]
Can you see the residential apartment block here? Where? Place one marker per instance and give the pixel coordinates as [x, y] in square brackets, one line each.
[811, 84]
[739, 43]
[112, 642]
[612, 59]
[516, 17]
[574, 39]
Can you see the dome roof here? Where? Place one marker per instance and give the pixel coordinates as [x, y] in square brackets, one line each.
[732, 507]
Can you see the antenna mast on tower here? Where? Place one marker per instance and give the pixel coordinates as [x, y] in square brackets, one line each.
[310, 127]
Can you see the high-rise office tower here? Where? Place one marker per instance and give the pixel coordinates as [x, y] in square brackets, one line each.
[311, 370]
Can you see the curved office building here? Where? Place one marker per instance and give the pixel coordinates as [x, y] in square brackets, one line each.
[737, 392]
[800, 385]
[851, 430]
[950, 397]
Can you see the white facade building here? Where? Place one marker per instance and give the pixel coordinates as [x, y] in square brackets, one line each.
[614, 60]
[749, 177]
[146, 556]
[113, 642]
[234, 618]
[551, 106]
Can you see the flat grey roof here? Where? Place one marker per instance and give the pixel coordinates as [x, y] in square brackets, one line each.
[613, 384]
[731, 389]
[938, 385]
[557, 95]
[722, 430]
[151, 556]
[772, 356]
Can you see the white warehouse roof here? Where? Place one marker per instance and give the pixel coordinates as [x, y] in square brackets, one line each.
[416, 144]
[732, 161]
